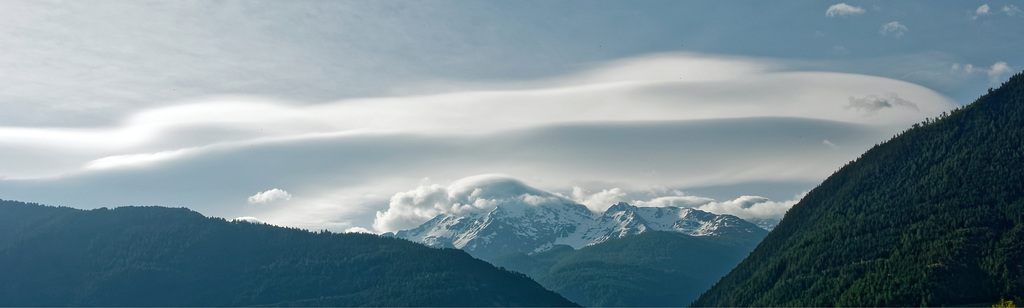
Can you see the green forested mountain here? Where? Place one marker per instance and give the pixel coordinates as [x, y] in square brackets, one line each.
[661, 269]
[154, 256]
[932, 217]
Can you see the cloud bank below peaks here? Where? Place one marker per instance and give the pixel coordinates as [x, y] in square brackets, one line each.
[759, 210]
[412, 208]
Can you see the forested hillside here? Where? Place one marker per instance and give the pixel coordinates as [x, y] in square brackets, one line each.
[659, 268]
[932, 217]
[154, 256]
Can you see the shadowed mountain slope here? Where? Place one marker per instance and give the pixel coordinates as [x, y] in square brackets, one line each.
[155, 256]
[932, 217]
[654, 269]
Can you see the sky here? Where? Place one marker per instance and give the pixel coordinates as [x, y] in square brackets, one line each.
[331, 114]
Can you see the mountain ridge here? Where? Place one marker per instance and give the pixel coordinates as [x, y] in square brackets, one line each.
[532, 229]
[650, 269]
[157, 256]
[934, 216]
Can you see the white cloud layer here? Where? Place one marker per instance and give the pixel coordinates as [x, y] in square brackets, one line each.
[894, 29]
[653, 88]
[759, 210]
[843, 9]
[269, 196]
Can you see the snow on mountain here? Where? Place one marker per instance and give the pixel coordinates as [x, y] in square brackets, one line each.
[518, 225]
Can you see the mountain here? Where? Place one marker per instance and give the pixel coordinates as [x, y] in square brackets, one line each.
[155, 256]
[519, 227]
[933, 217]
[652, 269]
[627, 255]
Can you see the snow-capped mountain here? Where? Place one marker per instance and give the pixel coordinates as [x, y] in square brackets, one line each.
[522, 227]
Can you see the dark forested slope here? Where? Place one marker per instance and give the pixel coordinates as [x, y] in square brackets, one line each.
[659, 269]
[932, 217]
[154, 256]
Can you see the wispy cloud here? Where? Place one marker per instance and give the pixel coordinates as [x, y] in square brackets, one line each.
[1011, 10]
[996, 72]
[843, 9]
[894, 29]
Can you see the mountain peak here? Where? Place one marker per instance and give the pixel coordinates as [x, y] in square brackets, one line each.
[619, 207]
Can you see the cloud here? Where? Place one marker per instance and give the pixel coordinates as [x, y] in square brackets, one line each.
[599, 201]
[249, 219]
[664, 87]
[995, 74]
[843, 9]
[965, 68]
[829, 144]
[468, 195]
[359, 230]
[677, 114]
[982, 10]
[871, 104]
[269, 196]
[893, 28]
[1011, 10]
[677, 200]
[759, 210]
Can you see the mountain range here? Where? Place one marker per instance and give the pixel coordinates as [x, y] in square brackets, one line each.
[531, 227]
[624, 256]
